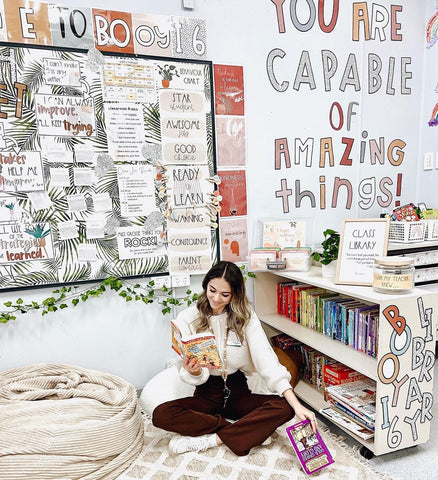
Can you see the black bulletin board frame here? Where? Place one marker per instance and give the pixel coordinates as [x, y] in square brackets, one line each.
[47, 272]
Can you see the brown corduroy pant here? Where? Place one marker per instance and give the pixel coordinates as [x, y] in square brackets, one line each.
[256, 416]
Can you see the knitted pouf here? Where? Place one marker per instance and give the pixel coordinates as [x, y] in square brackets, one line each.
[67, 422]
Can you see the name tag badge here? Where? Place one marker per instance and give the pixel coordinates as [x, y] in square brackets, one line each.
[234, 343]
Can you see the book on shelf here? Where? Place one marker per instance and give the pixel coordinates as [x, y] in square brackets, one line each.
[331, 314]
[284, 298]
[296, 299]
[286, 342]
[338, 373]
[200, 345]
[346, 422]
[358, 397]
[308, 306]
[351, 328]
[362, 325]
[310, 448]
[313, 363]
[362, 421]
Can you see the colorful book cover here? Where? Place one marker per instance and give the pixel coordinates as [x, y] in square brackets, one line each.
[229, 93]
[202, 346]
[233, 191]
[360, 419]
[309, 447]
[233, 233]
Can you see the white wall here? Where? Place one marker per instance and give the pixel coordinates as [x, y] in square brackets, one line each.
[428, 179]
[132, 340]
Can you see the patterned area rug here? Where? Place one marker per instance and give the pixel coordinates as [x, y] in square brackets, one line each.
[276, 461]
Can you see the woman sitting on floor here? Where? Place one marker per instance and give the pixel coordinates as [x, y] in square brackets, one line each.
[203, 420]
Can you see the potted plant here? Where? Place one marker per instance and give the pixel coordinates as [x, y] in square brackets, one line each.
[167, 72]
[329, 254]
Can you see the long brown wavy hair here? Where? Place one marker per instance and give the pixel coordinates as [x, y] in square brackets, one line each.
[238, 310]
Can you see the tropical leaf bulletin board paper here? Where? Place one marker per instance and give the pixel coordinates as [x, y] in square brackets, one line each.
[89, 145]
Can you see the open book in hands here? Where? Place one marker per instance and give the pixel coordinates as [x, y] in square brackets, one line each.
[200, 345]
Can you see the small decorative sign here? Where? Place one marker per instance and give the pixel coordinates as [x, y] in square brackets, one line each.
[361, 241]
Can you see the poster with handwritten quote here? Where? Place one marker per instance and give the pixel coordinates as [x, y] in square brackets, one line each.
[83, 141]
[229, 90]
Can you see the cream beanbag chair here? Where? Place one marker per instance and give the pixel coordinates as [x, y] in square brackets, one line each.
[67, 422]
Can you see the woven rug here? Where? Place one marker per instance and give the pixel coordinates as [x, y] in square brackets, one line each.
[276, 461]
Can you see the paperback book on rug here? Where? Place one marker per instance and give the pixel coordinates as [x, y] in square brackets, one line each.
[310, 448]
[201, 345]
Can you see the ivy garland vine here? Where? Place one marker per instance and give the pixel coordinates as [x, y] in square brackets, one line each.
[71, 295]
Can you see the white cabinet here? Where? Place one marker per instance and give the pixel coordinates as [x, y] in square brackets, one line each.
[403, 369]
[425, 255]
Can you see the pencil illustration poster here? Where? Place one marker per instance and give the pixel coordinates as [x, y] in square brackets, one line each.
[233, 191]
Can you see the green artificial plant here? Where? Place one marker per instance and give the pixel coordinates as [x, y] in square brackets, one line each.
[330, 247]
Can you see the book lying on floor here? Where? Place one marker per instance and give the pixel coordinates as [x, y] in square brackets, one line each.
[200, 345]
[343, 420]
[310, 448]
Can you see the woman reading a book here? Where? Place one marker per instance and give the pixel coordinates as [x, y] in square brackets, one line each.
[203, 420]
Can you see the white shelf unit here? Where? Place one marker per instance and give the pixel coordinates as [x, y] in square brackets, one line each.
[403, 369]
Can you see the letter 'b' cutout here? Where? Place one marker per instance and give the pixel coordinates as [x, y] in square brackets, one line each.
[392, 314]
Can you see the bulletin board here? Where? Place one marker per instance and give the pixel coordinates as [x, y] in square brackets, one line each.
[106, 166]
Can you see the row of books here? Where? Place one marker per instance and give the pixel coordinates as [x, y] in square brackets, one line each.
[316, 368]
[346, 319]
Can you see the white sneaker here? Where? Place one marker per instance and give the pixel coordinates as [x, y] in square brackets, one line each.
[180, 444]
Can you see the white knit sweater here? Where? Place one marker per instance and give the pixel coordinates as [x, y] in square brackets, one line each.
[255, 354]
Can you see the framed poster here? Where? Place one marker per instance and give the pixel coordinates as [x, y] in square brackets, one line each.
[361, 241]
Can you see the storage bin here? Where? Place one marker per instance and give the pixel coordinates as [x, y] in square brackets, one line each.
[431, 229]
[407, 232]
